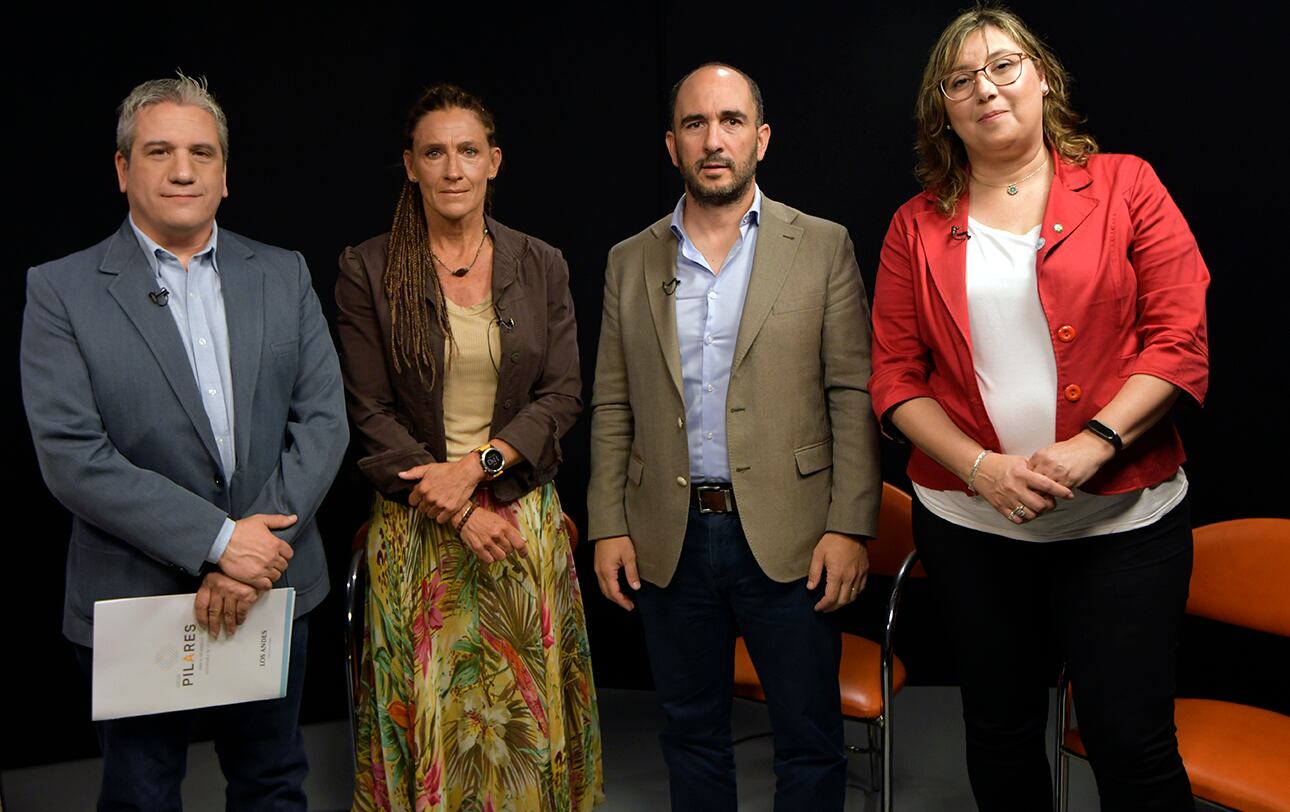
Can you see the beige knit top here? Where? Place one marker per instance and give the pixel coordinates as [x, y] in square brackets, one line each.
[470, 376]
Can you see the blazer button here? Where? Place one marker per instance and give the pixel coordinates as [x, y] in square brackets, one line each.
[501, 305]
[507, 403]
[1073, 392]
[1066, 333]
[515, 358]
[682, 481]
[219, 481]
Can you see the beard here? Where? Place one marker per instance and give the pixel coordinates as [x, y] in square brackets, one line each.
[708, 195]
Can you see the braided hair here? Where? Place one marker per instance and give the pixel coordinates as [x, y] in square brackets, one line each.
[409, 264]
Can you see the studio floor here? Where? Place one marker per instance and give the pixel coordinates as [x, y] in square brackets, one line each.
[929, 771]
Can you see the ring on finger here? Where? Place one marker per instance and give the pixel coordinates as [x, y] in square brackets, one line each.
[1019, 512]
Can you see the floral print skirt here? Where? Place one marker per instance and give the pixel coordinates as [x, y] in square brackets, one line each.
[477, 691]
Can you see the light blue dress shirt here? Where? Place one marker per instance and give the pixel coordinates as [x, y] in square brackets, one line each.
[196, 302]
[709, 305]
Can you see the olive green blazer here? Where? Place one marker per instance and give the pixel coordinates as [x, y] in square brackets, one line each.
[800, 432]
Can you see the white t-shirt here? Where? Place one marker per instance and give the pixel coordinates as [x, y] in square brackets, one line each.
[1012, 353]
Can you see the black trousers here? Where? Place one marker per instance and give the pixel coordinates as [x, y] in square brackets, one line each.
[719, 591]
[259, 746]
[1111, 608]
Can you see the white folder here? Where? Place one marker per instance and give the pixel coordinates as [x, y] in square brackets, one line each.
[150, 656]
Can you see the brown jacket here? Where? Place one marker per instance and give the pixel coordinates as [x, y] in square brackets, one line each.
[801, 437]
[399, 419]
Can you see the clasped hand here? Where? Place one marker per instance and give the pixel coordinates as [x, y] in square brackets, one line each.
[222, 600]
[251, 562]
[254, 555]
[491, 537]
[442, 488]
[1010, 482]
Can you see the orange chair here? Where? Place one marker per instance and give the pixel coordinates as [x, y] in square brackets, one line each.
[355, 594]
[1237, 756]
[869, 674]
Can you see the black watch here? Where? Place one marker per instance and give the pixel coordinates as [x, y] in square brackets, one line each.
[491, 460]
[1106, 433]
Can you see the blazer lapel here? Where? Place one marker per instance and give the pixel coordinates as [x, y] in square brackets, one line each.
[777, 243]
[242, 284]
[1069, 205]
[945, 248]
[506, 263]
[660, 270]
[134, 281]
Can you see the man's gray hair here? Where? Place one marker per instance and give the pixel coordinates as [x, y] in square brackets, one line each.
[182, 90]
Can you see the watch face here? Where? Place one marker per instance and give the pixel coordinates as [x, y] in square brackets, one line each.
[493, 461]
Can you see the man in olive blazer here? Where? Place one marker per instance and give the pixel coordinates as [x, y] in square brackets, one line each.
[720, 558]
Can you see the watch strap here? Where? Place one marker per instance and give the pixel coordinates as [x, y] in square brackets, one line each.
[1106, 433]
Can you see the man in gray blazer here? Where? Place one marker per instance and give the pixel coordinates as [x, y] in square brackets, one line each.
[186, 407]
[734, 467]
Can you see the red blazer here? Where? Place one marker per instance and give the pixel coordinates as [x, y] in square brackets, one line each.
[1122, 285]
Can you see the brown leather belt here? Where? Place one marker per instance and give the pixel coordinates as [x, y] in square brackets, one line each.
[712, 497]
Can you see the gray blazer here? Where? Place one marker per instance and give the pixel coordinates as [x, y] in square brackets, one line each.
[124, 442]
[800, 433]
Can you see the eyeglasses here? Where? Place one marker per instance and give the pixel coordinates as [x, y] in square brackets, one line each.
[1001, 71]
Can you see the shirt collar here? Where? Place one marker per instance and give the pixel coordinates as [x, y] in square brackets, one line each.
[150, 246]
[751, 218]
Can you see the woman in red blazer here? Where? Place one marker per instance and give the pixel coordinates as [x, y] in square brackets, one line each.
[1039, 309]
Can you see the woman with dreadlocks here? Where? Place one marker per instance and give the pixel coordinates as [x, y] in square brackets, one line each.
[461, 369]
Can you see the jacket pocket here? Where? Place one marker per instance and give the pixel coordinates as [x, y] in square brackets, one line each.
[814, 457]
[796, 305]
[284, 347]
[635, 470]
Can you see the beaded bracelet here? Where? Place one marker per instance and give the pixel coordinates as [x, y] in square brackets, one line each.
[465, 517]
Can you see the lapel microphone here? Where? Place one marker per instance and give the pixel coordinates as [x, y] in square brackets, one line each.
[670, 286]
[509, 324]
[159, 297]
[955, 234]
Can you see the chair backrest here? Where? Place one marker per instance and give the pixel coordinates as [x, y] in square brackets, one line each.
[895, 534]
[571, 528]
[359, 542]
[1241, 574]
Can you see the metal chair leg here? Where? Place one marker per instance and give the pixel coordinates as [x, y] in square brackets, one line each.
[353, 644]
[1061, 786]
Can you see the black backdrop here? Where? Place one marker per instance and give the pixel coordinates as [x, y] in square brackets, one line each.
[315, 100]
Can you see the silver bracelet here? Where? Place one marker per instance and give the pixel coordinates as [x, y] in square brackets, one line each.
[971, 480]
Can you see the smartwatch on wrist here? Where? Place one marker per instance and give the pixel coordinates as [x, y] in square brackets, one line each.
[491, 460]
[1106, 433]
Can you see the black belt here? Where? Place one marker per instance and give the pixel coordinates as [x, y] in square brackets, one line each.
[713, 497]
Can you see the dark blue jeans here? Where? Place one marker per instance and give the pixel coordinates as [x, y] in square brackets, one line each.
[259, 746]
[1110, 607]
[718, 592]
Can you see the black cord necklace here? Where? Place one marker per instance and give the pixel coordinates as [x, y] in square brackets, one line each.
[460, 272]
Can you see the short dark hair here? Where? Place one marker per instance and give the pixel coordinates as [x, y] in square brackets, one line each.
[752, 88]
